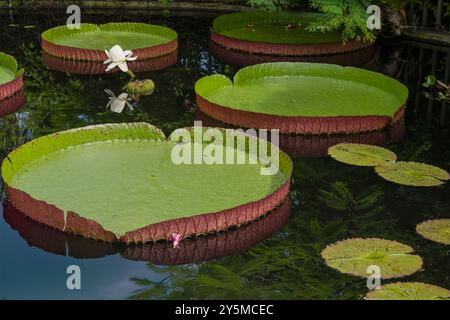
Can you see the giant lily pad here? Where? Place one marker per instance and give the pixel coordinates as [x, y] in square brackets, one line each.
[361, 154]
[278, 33]
[412, 174]
[11, 79]
[354, 256]
[290, 97]
[90, 41]
[435, 230]
[409, 291]
[119, 182]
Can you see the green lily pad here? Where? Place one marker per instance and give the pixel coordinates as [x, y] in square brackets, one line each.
[361, 154]
[354, 256]
[437, 230]
[129, 36]
[295, 89]
[412, 174]
[273, 27]
[124, 178]
[409, 291]
[8, 68]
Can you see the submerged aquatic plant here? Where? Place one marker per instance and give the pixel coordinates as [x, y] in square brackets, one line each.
[117, 103]
[409, 291]
[118, 58]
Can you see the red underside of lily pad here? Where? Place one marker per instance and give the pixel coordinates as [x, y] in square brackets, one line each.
[296, 145]
[54, 217]
[100, 55]
[278, 49]
[10, 88]
[12, 103]
[298, 124]
[208, 248]
[95, 67]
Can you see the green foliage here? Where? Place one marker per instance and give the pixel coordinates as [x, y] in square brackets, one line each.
[348, 16]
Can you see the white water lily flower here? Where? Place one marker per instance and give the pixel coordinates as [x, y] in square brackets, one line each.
[118, 58]
[117, 104]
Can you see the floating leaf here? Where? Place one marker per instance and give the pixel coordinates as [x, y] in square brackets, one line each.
[437, 230]
[412, 174]
[354, 256]
[409, 291]
[361, 154]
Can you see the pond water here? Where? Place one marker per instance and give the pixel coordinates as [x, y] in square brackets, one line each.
[287, 264]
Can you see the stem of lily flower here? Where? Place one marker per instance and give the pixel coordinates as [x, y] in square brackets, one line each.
[131, 74]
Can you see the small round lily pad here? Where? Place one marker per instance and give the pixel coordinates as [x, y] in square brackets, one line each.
[361, 154]
[354, 256]
[437, 230]
[409, 291]
[412, 174]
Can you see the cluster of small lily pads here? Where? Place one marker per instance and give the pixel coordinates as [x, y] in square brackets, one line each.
[437, 90]
[117, 57]
[395, 259]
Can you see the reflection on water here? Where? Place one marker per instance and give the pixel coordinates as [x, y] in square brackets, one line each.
[330, 201]
[93, 67]
[12, 103]
[356, 58]
[161, 253]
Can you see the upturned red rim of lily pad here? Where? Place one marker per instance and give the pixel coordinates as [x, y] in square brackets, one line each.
[10, 88]
[288, 50]
[12, 103]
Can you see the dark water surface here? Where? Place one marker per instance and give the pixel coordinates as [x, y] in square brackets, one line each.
[287, 265]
